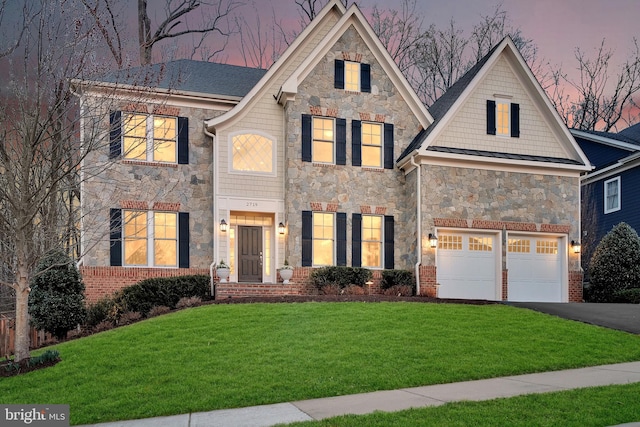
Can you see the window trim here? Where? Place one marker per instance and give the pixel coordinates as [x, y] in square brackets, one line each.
[618, 198]
[507, 102]
[381, 242]
[333, 239]
[274, 150]
[150, 239]
[333, 141]
[357, 83]
[150, 138]
[381, 146]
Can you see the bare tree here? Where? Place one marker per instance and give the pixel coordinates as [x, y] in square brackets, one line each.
[40, 146]
[177, 21]
[260, 47]
[596, 99]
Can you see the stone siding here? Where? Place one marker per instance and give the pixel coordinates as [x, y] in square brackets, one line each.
[349, 188]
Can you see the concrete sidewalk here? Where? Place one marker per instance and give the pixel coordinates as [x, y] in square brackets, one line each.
[396, 400]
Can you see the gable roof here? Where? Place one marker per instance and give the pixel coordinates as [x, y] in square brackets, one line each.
[186, 75]
[632, 132]
[347, 18]
[444, 109]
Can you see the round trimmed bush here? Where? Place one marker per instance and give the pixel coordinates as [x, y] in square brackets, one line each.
[615, 265]
[56, 301]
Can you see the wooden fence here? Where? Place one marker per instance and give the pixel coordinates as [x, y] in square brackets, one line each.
[8, 336]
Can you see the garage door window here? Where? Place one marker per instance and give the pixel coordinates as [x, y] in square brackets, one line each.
[450, 242]
[520, 245]
[481, 244]
[547, 247]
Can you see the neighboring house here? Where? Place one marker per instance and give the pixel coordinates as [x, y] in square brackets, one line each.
[330, 158]
[611, 192]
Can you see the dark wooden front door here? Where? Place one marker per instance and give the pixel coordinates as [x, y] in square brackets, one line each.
[250, 254]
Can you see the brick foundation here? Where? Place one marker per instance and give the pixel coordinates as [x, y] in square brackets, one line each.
[103, 281]
[575, 286]
[428, 282]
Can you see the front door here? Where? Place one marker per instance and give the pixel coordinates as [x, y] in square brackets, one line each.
[249, 254]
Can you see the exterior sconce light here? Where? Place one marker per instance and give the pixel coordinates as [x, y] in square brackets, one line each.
[281, 228]
[433, 241]
[576, 246]
[224, 226]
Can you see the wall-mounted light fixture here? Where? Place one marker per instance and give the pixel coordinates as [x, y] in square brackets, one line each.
[224, 226]
[576, 246]
[433, 241]
[281, 228]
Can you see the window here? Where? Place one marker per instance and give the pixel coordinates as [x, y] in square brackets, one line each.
[612, 195]
[352, 76]
[519, 245]
[371, 241]
[149, 138]
[484, 244]
[547, 247]
[149, 238]
[323, 238]
[252, 153]
[323, 140]
[503, 118]
[372, 144]
[450, 242]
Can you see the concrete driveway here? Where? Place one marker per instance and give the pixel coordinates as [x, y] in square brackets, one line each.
[624, 317]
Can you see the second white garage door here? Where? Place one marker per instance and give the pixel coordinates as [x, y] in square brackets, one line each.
[535, 268]
[467, 265]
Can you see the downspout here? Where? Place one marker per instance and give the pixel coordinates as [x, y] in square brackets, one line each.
[418, 223]
[214, 171]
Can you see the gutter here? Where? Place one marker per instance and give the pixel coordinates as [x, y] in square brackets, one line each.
[418, 223]
[214, 173]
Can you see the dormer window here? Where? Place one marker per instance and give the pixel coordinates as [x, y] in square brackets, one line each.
[352, 76]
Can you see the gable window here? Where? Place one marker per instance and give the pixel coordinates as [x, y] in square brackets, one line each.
[324, 140]
[612, 195]
[149, 238]
[352, 76]
[503, 117]
[252, 153]
[149, 138]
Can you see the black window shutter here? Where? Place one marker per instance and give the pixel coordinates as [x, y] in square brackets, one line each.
[389, 236]
[115, 237]
[341, 238]
[307, 238]
[365, 78]
[515, 120]
[338, 78]
[183, 140]
[356, 143]
[183, 239]
[115, 134]
[356, 240]
[491, 117]
[306, 138]
[341, 142]
[388, 146]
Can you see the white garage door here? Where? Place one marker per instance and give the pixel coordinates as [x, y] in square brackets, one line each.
[535, 268]
[467, 265]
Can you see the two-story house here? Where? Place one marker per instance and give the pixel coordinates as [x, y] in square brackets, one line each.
[330, 158]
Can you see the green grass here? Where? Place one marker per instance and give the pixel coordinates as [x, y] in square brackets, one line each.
[599, 406]
[225, 356]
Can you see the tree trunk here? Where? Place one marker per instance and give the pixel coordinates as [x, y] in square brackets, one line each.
[22, 340]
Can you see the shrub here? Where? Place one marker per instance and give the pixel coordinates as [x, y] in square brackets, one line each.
[400, 290]
[628, 296]
[353, 290]
[158, 310]
[46, 357]
[129, 317]
[392, 278]
[340, 276]
[105, 325]
[615, 265]
[167, 291]
[186, 302]
[104, 309]
[56, 301]
[330, 290]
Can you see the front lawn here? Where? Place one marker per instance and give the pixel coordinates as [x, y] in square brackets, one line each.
[225, 356]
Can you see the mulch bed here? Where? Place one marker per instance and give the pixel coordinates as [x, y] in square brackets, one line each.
[23, 367]
[345, 298]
